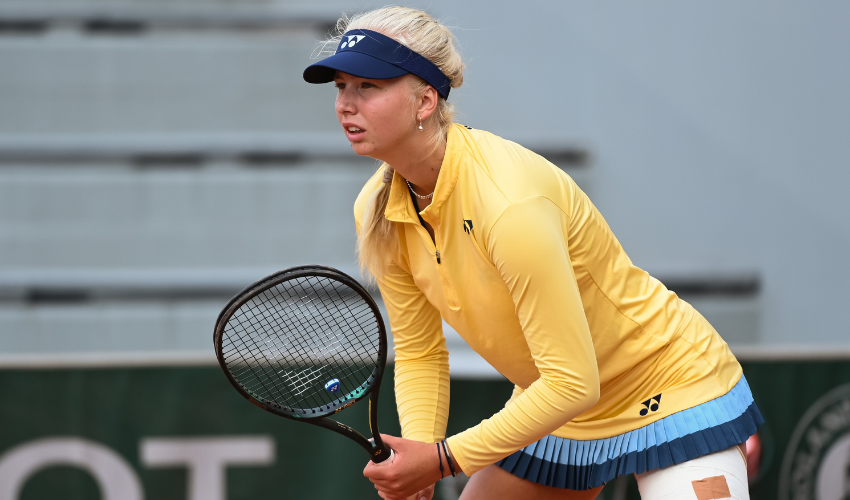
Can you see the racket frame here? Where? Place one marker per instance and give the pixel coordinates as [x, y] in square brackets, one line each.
[377, 449]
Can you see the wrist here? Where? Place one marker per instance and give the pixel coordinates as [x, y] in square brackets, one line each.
[458, 468]
[451, 465]
[442, 470]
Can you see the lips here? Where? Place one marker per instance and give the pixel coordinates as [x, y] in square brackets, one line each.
[352, 131]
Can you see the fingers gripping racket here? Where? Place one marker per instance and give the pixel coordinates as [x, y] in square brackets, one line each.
[305, 343]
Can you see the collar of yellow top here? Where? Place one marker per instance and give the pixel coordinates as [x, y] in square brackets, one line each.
[400, 207]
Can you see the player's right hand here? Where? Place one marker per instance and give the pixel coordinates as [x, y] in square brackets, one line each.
[413, 470]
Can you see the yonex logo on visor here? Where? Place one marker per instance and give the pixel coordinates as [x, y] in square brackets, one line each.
[369, 54]
[349, 41]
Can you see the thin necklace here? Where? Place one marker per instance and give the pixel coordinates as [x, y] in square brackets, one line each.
[426, 197]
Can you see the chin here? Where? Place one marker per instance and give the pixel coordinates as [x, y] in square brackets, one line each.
[363, 149]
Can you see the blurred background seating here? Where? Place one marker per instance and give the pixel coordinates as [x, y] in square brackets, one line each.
[156, 157]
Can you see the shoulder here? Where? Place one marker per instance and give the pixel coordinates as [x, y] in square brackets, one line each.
[518, 172]
[500, 173]
[369, 189]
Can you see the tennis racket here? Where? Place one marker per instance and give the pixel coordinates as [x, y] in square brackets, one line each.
[306, 343]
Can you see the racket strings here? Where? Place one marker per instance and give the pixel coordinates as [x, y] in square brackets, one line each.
[248, 369]
[255, 372]
[330, 347]
[252, 370]
[301, 379]
[362, 312]
[297, 380]
[285, 343]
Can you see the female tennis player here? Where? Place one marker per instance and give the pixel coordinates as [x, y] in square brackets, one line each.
[614, 374]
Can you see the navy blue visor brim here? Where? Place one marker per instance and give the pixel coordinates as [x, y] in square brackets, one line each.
[353, 63]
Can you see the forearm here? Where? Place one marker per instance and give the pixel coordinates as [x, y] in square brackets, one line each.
[422, 396]
[421, 357]
[538, 411]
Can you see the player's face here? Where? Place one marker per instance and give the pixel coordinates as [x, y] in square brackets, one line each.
[377, 115]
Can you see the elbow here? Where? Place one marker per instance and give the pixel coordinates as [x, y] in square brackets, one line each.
[590, 390]
[583, 399]
[590, 395]
[579, 395]
[586, 393]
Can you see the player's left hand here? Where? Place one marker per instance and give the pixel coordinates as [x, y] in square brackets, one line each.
[411, 475]
[426, 494]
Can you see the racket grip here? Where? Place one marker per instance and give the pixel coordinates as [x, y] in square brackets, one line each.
[388, 461]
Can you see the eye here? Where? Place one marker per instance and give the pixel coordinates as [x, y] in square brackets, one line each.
[367, 85]
[339, 85]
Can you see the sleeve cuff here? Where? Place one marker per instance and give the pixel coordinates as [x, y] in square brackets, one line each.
[457, 454]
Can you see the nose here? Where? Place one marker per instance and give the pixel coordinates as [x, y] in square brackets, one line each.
[345, 102]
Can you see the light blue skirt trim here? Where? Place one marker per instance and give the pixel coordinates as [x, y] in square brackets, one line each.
[579, 465]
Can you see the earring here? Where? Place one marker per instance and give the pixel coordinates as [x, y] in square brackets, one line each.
[420, 123]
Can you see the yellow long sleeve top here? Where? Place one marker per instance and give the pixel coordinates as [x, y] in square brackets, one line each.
[528, 272]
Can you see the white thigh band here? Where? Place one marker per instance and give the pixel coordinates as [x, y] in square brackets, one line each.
[716, 476]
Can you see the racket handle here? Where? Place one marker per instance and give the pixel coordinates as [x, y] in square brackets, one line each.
[387, 461]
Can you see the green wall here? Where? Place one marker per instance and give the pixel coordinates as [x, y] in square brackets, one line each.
[121, 407]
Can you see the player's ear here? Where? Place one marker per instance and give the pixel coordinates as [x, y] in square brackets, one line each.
[427, 102]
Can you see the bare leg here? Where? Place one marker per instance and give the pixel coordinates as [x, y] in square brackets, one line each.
[493, 483]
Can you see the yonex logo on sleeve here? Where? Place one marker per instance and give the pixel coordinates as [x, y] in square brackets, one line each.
[352, 39]
[467, 226]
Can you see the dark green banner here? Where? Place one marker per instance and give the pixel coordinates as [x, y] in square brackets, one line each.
[184, 433]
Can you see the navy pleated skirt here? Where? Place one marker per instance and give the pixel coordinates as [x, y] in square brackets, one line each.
[713, 426]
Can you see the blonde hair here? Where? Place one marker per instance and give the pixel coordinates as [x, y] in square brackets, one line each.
[422, 34]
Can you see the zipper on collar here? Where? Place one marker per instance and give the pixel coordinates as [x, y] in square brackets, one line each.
[438, 256]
